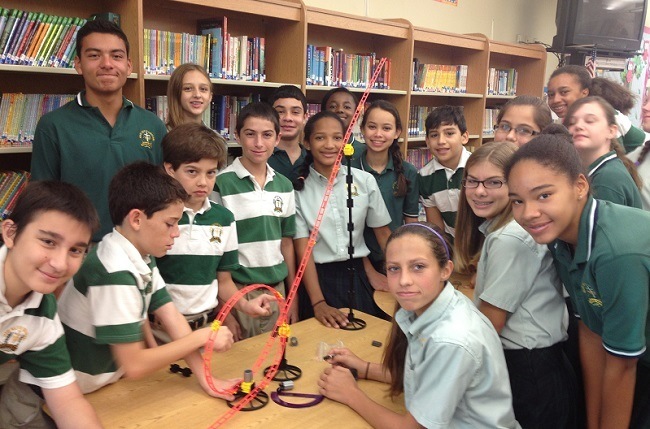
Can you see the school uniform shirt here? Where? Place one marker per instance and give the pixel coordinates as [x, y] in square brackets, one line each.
[644, 171]
[333, 236]
[455, 375]
[517, 275]
[263, 216]
[398, 207]
[439, 187]
[76, 144]
[608, 274]
[610, 181]
[106, 303]
[32, 334]
[630, 136]
[281, 163]
[207, 244]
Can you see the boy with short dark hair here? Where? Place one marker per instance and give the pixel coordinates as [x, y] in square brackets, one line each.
[104, 307]
[264, 207]
[45, 239]
[289, 154]
[197, 268]
[439, 180]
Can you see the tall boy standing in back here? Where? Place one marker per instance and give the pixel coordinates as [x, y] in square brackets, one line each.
[265, 213]
[439, 181]
[89, 139]
[289, 154]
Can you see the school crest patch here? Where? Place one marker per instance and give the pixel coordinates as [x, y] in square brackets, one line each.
[592, 297]
[216, 231]
[146, 139]
[11, 338]
[277, 204]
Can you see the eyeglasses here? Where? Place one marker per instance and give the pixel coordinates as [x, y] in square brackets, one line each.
[520, 131]
[487, 184]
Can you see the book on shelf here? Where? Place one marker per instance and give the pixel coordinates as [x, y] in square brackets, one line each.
[502, 81]
[439, 77]
[417, 118]
[489, 121]
[19, 114]
[333, 67]
[11, 185]
[37, 39]
[419, 157]
[223, 55]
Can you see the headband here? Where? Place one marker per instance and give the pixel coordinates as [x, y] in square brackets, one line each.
[444, 243]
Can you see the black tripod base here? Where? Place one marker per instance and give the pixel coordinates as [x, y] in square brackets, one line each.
[354, 324]
[285, 372]
[259, 401]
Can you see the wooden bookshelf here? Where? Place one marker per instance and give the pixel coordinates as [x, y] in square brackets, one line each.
[288, 26]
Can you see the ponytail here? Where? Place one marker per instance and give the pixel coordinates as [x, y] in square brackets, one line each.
[629, 165]
[299, 183]
[402, 182]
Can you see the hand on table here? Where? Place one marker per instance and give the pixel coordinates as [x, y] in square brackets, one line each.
[329, 316]
[336, 383]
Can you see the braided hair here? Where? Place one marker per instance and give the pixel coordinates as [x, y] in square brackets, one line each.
[394, 150]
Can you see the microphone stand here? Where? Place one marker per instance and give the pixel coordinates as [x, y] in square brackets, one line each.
[354, 324]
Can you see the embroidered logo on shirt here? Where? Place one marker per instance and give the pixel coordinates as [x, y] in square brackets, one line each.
[216, 231]
[277, 204]
[592, 298]
[353, 190]
[146, 139]
[394, 189]
[12, 337]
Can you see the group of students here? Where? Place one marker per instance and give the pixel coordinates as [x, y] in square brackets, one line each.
[538, 209]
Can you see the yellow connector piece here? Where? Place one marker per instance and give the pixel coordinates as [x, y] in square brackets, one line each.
[246, 386]
[215, 325]
[284, 330]
[348, 149]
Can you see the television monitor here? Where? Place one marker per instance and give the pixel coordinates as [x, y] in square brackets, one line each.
[606, 25]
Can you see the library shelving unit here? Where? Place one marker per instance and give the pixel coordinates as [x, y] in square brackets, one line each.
[438, 47]
[288, 26]
[530, 62]
[355, 34]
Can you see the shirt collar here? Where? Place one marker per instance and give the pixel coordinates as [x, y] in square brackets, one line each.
[143, 264]
[464, 156]
[366, 167]
[425, 324]
[601, 161]
[32, 300]
[242, 172]
[204, 208]
[81, 100]
[586, 231]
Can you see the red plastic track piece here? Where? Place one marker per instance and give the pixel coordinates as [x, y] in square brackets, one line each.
[281, 326]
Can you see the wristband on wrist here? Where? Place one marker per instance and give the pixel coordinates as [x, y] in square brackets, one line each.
[367, 369]
[316, 303]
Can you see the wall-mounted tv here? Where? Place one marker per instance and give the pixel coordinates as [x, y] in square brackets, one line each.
[607, 25]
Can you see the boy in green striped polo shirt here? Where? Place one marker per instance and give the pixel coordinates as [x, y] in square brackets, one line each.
[439, 180]
[104, 307]
[197, 268]
[264, 207]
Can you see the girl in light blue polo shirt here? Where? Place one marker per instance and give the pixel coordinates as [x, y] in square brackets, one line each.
[602, 254]
[443, 354]
[326, 278]
[518, 289]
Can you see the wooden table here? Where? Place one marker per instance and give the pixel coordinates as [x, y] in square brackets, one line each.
[166, 400]
[386, 301]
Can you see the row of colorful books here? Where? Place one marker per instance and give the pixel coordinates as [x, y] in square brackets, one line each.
[439, 77]
[11, 185]
[221, 115]
[224, 56]
[19, 114]
[419, 157]
[502, 81]
[333, 67]
[489, 121]
[417, 117]
[37, 39]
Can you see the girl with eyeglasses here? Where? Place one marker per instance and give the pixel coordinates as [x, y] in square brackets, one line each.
[592, 124]
[518, 290]
[521, 119]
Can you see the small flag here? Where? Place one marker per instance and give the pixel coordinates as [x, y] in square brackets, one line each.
[591, 64]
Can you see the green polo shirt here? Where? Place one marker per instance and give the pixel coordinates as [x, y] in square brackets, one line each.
[76, 144]
[398, 207]
[281, 163]
[610, 181]
[608, 275]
